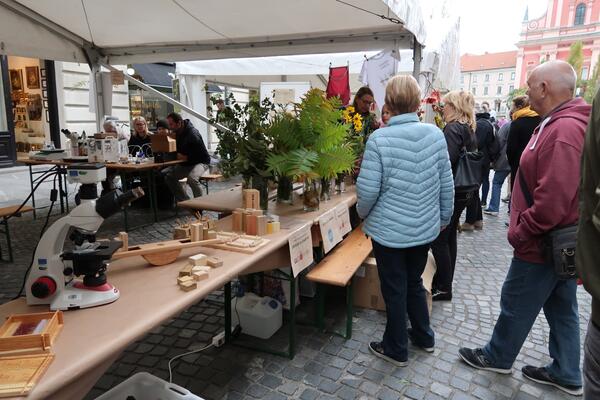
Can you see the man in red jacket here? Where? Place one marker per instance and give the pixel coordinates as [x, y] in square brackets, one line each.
[550, 166]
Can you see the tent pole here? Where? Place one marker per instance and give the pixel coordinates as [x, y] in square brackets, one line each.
[417, 57]
[167, 98]
[99, 96]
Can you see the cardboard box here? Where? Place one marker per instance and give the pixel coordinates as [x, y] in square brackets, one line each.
[367, 289]
[163, 143]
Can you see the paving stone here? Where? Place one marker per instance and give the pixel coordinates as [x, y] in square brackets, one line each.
[441, 389]
[289, 388]
[347, 393]
[329, 386]
[415, 393]
[309, 394]
[257, 391]
[271, 381]
[387, 394]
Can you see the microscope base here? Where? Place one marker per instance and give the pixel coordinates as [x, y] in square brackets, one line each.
[75, 295]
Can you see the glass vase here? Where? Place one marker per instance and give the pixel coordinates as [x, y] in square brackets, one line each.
[310, 197]
[285, 190]
[340, 183]
[326, 189]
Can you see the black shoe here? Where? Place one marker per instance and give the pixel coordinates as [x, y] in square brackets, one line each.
[377, 349]
[416, 343]
[438, 295]
[476, 359]
[541, 375]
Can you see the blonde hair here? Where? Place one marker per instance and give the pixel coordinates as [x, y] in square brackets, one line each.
[463, 104]
[402, 94]
[142, 119]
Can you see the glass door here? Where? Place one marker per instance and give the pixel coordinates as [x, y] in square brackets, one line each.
[8, 154]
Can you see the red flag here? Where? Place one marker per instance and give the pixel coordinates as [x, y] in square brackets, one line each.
[339, 84]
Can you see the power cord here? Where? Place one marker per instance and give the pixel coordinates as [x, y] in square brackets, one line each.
[40, 181]
[53, 198]
[183, 355]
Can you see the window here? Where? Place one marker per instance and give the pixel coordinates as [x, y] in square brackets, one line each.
[462, 79]
[487, 77]
[475, 91]
[474, 78]
[580, 14]
[511, 89]
[584, 73]
[512, 76]
[485, 91]
[499, 90]
[500, 76]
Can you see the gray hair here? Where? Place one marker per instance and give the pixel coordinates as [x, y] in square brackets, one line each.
[110, 126]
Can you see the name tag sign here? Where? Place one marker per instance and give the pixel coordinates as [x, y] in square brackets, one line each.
[330, 230]
[343, 217]
[301, 252]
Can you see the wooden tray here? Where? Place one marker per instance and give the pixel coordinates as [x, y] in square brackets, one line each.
[19, 374]
[40, 342]
[224, 237]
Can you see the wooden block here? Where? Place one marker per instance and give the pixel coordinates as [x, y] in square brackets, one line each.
[181, 233]
[261, 225]
[124, 238]
[211, 234]
[186, 271]
[205, 233]
[189, 285]
[257, 212]
[276, 226]
[183, 279]
[237, 218]
[251, 198]
[200, 275]
[214, 262]
[196, 232]
[251, 224]
[211, 224]
[201, 268]
[269, 227]
[198, 259]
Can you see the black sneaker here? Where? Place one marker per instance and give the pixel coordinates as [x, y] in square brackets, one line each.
[438, 295]
[377, 349]
[416, 343]
[541, 375]
[476, 359]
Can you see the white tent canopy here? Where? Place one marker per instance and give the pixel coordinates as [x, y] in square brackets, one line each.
[128, 31]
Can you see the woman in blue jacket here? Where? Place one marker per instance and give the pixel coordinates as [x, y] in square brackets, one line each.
[405, 195]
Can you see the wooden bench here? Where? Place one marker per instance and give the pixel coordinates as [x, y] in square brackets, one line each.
[337, 269]
[5, 214]
[205, 179]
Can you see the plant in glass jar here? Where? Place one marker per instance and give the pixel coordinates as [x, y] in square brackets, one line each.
[316, 145]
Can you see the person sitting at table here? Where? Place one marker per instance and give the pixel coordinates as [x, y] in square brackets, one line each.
[190, 149]
[162, 127]
[140, 140]
[110, 126]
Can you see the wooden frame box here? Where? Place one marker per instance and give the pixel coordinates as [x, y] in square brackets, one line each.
[30, 343]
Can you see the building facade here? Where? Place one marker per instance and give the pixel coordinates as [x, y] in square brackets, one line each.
[490, 77]
[550, 36]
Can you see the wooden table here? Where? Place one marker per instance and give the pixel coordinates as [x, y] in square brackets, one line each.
[124, 169]
[92, 339]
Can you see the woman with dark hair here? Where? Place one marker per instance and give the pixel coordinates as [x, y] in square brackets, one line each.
[363, 100]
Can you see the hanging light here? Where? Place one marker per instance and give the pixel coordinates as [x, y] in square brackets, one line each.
[130, 71]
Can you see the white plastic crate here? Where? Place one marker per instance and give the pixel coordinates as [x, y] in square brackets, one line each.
[145, 386]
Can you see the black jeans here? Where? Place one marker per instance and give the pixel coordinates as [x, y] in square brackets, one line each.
[402, 288]
[444, 248]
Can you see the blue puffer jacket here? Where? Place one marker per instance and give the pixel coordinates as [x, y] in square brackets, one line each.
[405, 186]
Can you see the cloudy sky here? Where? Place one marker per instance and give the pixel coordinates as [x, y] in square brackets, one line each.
[486, 25]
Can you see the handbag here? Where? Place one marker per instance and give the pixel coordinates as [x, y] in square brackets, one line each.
[468, 171]
[558, 245]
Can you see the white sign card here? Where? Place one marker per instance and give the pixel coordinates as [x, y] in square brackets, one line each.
[330, 232]
[301, 251]
[343, 218]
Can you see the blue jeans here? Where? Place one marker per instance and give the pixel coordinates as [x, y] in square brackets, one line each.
[527, 289]
[402, 288]
[499, 177]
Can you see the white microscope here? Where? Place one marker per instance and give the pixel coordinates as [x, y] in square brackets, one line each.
[53, 276]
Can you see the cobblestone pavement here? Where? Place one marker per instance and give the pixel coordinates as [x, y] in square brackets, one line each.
[326, 366]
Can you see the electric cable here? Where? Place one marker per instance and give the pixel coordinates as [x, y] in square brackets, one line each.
[38, 183]
[183, 355]
[391, 19]
[52, 202]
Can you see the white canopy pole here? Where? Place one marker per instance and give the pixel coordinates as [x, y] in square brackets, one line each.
[167, 98]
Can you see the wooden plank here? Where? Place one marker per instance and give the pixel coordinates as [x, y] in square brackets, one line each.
[6, 211]
[19, 374]
[341, 264]
[160, 247]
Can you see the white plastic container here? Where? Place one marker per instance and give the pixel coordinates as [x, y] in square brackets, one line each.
[259, 316]
[145, 386]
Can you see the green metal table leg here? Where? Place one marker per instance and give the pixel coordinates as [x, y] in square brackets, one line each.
[153, 199]
[32, 191]
[227, 294]
[321, 293]
[292, 321]
[349, 310]
[8, 244]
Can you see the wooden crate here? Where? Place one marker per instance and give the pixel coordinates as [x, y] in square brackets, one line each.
[11, 343]
[19, 374]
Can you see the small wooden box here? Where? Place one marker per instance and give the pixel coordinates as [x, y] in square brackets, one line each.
[163, 143]
[12, 343]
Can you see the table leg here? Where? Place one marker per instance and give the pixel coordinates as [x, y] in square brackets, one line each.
[227, 294]
[292, 321]
[60, 189]
[32, 192]
[321, 292]
[349, 310]
[153, 199]
[125, 188]
[66, 187]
